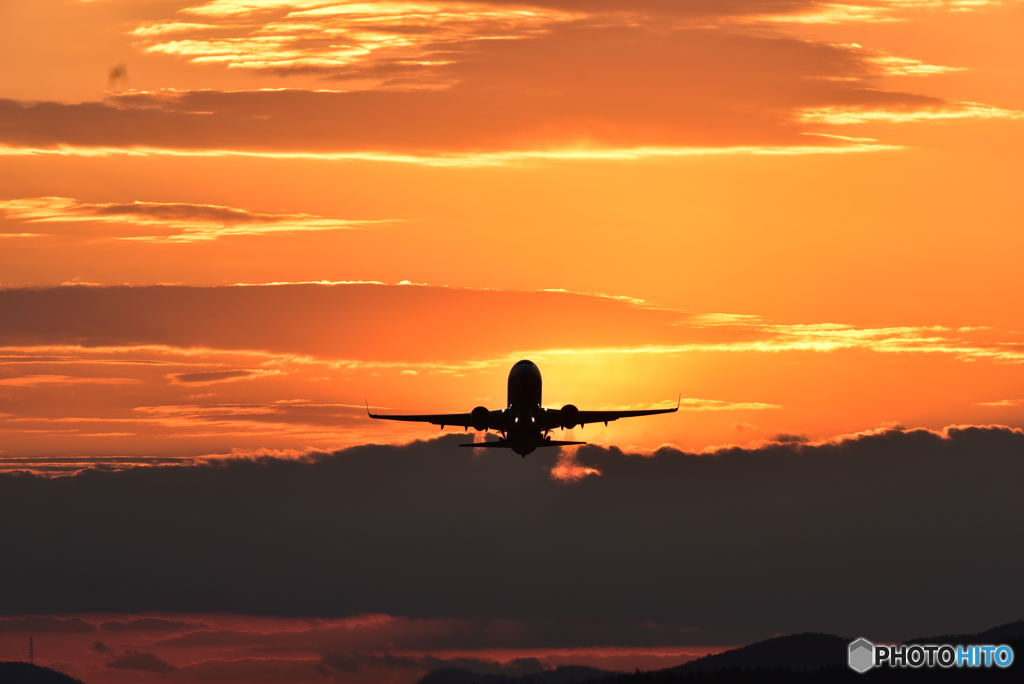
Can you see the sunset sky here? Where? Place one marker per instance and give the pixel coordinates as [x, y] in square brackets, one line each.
[228, 226]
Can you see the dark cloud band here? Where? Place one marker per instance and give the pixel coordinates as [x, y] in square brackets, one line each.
[868, 534]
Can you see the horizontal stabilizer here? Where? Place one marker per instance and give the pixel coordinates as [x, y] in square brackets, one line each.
[501, 443]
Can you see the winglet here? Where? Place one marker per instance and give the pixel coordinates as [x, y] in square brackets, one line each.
[368, 408]
[679, 400]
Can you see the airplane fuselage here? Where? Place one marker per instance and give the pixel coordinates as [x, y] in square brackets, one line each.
[522, 429]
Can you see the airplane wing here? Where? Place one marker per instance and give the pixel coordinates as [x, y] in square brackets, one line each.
[554, 417]
[606, 416]
[442, 419]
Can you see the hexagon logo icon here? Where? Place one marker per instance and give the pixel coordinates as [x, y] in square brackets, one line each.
[862, 655]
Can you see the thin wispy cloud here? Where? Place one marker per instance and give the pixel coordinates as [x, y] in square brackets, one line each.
[398, 37]
[168, 222]
[466, 160]
[213, 377]
[41, 380]
[1002, 403]
[778, 339]
[839, 115]
[866, 11]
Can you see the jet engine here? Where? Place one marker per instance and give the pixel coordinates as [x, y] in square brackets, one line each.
[480, 417]
[569, 416]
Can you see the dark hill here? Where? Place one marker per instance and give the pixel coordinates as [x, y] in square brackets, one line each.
[1012, 631]
[798, 659]
[12, 672]
[798, 652]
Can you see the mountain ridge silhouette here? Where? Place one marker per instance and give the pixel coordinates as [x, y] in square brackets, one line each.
[20, 672]
[809, 657]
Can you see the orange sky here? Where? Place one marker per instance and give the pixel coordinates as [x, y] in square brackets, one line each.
[802, 216]
[227, 224]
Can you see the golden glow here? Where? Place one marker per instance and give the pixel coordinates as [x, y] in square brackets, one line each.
[568, 470]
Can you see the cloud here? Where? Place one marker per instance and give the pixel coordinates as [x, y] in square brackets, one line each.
[861, 11]
[150, 624]
[298, 418]
[414, 43]
[344, 321]
[568, 469]
[137, 660]
[789, 438]
[472, 159]
[355, 325]
[842, 531]
[210, 377]
[838, 115]
[560, 92]
[168, 222]
[298, 36]
[376, 648]
[691, 404]
[500, 637]
[39, 380]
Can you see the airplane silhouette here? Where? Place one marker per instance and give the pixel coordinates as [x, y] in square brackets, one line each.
[524, 425]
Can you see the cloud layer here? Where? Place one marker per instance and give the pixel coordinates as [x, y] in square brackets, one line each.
[428, 79]
[410, 44]
[852, 536]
